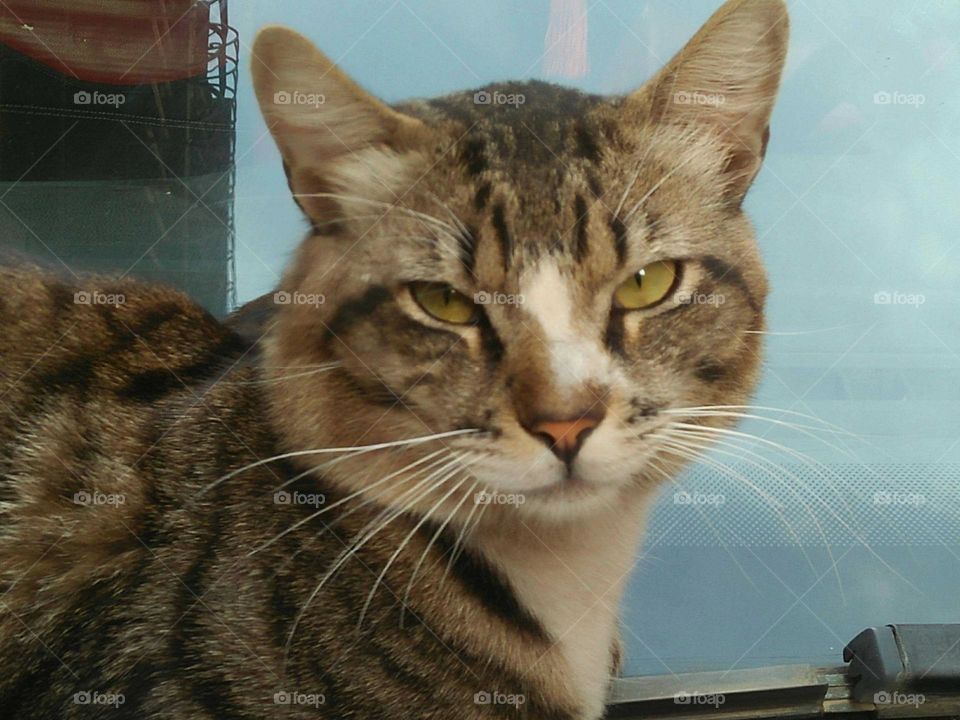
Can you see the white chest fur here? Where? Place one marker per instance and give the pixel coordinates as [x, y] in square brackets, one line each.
[571, 578]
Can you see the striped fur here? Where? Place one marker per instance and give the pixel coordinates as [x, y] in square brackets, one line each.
[144, 553]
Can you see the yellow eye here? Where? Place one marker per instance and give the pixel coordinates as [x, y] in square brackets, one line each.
[648, 287]
[442, 302]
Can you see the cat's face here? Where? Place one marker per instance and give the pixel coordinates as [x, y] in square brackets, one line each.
[560, 275]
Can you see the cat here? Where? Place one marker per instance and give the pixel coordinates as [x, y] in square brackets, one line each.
[420, 493]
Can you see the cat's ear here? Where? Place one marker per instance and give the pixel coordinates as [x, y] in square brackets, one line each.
[725, 81]
[335, 138]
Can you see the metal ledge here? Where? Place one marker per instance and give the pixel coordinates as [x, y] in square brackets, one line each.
[788, 692]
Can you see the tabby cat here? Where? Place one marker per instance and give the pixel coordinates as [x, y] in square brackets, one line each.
[420, 494]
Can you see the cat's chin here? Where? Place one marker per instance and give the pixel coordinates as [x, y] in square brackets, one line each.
[557, 495]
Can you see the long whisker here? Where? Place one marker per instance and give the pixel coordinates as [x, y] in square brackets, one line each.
[409, 498]
[706, 519]
[433, 540]
[699, 447]
[799, 332]
[338, 503]
[826, 505]
[282, 378]
[779, 447]
[695, 454]
[372, 498]
[767, 408]
[388, 207]
[823, 472]
[321, 451]
[420, 523]
[465, 532]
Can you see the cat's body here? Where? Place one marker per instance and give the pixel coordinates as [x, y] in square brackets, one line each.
[145, 554]
[146, 591]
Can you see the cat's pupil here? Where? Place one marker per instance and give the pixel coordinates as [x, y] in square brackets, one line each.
[448, 295]
[638, 278]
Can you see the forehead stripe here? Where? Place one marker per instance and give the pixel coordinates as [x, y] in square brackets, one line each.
[619, 230]
[581, 211]
[503, 235]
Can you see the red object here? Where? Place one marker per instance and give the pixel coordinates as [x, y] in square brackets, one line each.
[117, 42]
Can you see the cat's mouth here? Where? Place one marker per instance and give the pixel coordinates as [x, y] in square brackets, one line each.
[608, 461]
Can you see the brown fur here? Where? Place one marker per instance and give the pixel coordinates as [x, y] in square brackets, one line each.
[197, 596]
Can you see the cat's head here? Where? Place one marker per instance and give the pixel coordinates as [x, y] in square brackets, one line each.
[559, 272]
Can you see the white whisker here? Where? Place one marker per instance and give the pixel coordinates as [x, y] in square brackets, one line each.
[349, 497]
[433, 540]
[420, 523]
[321, 451]
[370, 530]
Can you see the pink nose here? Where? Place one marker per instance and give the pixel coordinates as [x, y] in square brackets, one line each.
[565, 437]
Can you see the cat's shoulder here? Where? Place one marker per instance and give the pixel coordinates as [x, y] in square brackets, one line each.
[116, 332]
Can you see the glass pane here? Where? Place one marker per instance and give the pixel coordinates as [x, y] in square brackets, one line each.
[837, 509]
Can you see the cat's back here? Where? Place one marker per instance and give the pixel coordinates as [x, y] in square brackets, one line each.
[121, 337]
[92, 376]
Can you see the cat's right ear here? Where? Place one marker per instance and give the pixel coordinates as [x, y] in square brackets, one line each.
[335, 138]
[725, 81]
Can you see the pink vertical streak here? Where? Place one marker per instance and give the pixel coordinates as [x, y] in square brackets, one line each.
[566, 42]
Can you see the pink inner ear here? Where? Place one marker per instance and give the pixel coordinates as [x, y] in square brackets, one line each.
[565, 47]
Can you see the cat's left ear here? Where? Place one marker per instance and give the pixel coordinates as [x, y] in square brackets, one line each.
[335, 138]
[725, 81]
